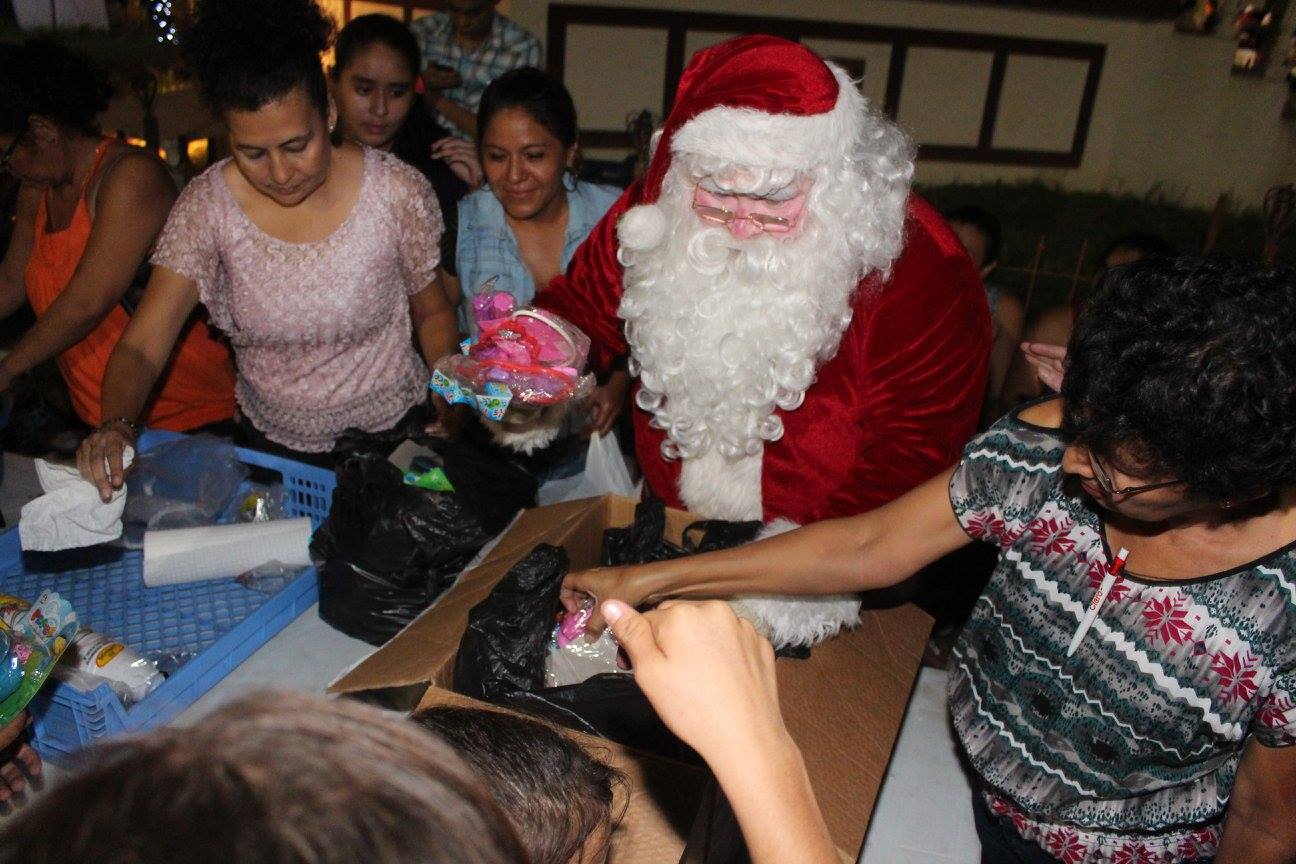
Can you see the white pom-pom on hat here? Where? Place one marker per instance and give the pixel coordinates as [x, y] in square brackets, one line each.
[641, 228]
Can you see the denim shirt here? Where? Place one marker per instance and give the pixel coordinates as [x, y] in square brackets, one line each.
[488, 248]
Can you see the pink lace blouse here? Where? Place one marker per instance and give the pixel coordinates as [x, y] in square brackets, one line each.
[321, 331]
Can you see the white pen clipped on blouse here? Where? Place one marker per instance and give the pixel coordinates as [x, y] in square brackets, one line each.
[1100, 597]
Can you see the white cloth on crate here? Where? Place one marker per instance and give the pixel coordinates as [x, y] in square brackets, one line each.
[70, 514]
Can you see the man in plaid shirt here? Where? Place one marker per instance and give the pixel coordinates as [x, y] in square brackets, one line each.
[463, 51]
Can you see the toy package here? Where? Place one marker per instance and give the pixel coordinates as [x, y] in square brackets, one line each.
[573, 660]
[87, 658]
[32, 638]
[521, 361]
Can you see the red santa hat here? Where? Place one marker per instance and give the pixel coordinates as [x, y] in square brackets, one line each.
[754, 101]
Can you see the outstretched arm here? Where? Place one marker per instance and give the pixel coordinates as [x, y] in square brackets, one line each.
[857, 553]
[136, 363]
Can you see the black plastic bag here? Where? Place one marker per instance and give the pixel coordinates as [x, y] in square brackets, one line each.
[502, 654]
[494, 482]
[391, 549]
[644, 540]
[501, 659]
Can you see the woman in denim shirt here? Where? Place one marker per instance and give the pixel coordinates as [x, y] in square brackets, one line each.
[525, 225]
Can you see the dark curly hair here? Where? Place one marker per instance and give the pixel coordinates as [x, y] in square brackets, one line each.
[42, 78]
[1187, 366]
[249, 53]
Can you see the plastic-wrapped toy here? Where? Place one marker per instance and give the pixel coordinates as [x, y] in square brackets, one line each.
[31, 642]
[521, 361]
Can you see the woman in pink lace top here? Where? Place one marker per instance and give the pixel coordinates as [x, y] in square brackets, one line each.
[317, 260]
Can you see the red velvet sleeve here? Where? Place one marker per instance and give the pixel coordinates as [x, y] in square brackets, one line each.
[923, 357]
[589, 293]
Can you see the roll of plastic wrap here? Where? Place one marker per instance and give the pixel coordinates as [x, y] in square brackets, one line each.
[223, 551]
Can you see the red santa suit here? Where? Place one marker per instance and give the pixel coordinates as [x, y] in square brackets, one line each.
[901, 394]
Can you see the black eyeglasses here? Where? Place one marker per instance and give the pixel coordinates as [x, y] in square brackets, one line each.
[1105, 481]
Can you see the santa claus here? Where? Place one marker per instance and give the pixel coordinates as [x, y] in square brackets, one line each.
[809, 339]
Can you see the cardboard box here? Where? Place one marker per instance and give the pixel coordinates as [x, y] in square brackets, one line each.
[843, 705]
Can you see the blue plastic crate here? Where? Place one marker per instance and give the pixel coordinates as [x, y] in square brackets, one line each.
[219, 623]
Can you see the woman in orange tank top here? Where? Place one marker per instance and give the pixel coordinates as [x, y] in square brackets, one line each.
[89, 210]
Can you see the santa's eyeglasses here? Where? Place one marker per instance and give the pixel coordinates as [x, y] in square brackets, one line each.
[762, 221]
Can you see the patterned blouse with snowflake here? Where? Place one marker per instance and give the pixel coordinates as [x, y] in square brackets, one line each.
[1127, 751]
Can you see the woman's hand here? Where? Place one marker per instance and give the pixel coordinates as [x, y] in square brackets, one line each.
[602, 584]
[606, 404]
[450, 421]
[101, 457]
[1048, 360]
[708, 674]
[22, 761]
[461, 156]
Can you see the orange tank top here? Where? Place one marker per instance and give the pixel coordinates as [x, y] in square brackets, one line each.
[197, 386]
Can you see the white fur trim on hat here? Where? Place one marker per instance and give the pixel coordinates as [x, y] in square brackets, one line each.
[641, 228]
[745, 136]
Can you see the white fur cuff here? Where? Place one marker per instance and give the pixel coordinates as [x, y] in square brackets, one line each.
[804, 621]
[787, 621]
[530, 438]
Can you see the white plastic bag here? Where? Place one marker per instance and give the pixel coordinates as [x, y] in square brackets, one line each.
[605, 474]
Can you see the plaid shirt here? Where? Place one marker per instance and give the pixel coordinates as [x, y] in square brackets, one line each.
[508, 47]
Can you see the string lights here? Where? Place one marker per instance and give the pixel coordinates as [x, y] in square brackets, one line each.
[163, 20]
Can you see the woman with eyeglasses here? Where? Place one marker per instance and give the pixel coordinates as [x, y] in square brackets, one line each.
[526, 225]
[1145, 714]
[88, 214]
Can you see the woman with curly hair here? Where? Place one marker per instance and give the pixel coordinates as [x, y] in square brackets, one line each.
[314, 258]
[1126, 687]
[89, 211]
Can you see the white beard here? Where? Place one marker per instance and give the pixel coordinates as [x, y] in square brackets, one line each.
[724, 331]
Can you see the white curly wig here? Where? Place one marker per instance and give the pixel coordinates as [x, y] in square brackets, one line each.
[724, 331]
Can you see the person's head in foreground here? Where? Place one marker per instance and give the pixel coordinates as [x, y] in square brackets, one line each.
[1180, 389]
[258, 67]
[558, 796]
[773, 189]
[274, 778]
[50, 99]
